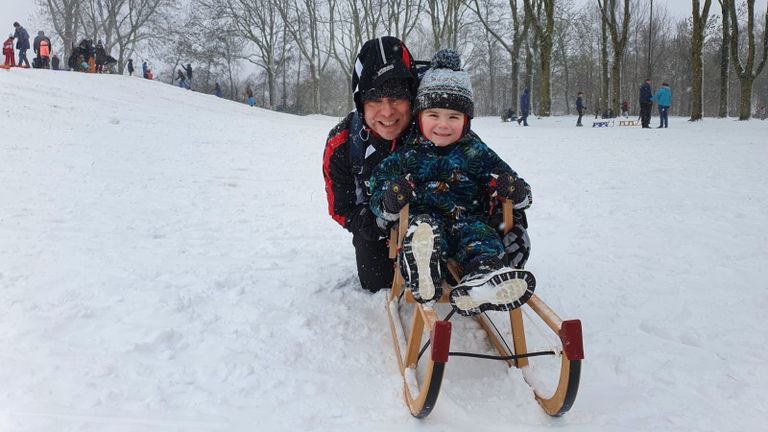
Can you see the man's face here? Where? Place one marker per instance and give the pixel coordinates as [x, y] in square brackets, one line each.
[387, 117]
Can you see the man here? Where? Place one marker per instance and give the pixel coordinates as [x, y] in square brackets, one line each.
[384, 84]
[22, 43]
[580, 107]
[525, 105]
[645, 103]
[42, 48]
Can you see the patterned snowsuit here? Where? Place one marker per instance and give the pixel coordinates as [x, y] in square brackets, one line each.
[452, 184]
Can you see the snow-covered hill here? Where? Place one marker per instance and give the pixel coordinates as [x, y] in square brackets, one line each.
[167, 264]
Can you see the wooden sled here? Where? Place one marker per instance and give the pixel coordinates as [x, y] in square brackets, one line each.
[422, 347]
[629, 122]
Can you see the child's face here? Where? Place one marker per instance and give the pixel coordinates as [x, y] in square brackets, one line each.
[442, 126]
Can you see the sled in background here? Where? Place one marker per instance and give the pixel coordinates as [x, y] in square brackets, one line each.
[534, 339]
[629, 122]
[607, 123]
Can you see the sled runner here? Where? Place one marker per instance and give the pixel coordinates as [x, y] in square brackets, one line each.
[545, 348]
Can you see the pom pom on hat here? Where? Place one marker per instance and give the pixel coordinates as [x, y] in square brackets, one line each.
[445, 85]
[446, 59]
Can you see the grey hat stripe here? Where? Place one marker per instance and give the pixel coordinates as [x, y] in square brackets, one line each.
[359, 72]
[381, 50]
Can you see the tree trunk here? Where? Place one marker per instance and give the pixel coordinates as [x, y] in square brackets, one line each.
[724, 60]
[745, 107]
[697, 77]
[604, 78]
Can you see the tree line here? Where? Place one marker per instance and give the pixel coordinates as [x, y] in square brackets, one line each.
[303, 51]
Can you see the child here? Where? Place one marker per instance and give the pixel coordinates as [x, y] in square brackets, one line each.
[451, 179]
[10, 58]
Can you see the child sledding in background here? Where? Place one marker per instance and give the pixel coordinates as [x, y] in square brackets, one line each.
[451, 179]
[10, 58]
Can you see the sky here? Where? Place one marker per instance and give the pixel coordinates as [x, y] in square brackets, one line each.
[168, 264]
[21, 10]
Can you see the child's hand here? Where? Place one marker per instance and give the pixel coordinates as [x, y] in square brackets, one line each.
[510, 187]
[398, 194]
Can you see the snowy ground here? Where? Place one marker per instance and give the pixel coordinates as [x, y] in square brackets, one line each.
[167, 264]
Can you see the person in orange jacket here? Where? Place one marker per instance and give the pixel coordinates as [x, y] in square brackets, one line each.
[10, 58]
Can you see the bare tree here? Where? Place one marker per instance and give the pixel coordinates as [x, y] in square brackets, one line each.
[64, 16]
[618, 42]
[544, 27]
[724, 58]
[258, 22]
[498, 29]
[747, 72]
[445, 20]
[699, 18]
[303, 21]
[403, 17]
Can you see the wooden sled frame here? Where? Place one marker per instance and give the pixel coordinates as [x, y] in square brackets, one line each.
[421, 393]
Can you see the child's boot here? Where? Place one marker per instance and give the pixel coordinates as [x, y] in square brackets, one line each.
[489, 285]
[420, 263]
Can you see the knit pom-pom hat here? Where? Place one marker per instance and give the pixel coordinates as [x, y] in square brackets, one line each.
[445, 85]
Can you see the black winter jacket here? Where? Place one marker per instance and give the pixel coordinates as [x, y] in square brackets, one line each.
[346, 190]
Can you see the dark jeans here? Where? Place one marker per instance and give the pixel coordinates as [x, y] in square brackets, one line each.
[645, 113]
[578, 122]
[663, 116]
[523, 118]
[23, 58]
[374, 268]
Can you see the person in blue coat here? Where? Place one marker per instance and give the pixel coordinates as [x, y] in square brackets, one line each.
[663, 98]
[525, 105]
[22, 43]
[580, 107]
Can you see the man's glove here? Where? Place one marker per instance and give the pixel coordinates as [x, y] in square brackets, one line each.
[398, 194]
[510, 187]
[363, 223]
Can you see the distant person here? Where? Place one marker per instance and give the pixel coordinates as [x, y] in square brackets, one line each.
[580, 107]
[10, 59]
[188, 70]
[646, 104]
[101, 56]
[22, 43]
[42, 48]
[625, 108]
[525, 105]
[150, 75]
[92, 64]
[217, 90]
[182, 79]
[249, 96]
[55, 62]
[663, 98]
[144, 70]
[130, 67]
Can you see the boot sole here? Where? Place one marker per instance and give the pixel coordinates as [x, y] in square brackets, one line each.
[421, 250]
[510, 289]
